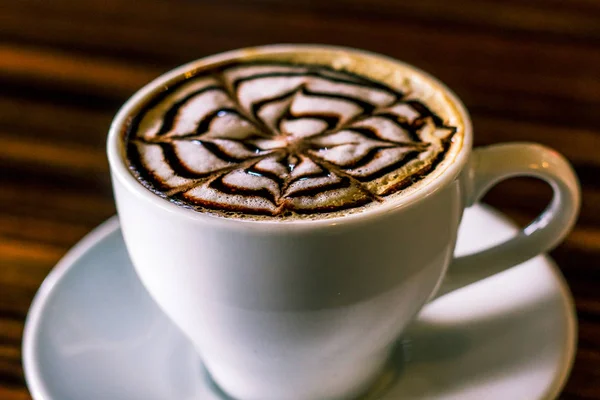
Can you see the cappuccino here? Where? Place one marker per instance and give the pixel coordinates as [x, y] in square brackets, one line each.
[270, 139]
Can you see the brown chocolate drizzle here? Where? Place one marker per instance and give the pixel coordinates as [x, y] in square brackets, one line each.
[346, 174]
[171, 114]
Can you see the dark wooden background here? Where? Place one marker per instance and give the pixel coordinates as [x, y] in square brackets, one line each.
[527, 70]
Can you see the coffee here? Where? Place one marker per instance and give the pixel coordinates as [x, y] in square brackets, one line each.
[311, 199]
[272, 139]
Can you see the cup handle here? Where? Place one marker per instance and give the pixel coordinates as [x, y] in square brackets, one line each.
[490, 165]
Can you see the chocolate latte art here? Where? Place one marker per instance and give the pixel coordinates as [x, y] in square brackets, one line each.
[283, 141]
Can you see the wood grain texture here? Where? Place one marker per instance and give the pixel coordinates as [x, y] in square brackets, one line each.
[527, 71]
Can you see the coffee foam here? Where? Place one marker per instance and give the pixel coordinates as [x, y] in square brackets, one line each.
[270, 139]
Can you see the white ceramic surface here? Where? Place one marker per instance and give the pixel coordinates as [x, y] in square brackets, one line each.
[94, 333]
[310, 309]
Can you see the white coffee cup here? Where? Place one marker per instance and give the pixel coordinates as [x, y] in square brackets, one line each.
[310, 309]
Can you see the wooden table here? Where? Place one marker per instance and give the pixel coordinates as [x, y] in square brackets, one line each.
[527, 71]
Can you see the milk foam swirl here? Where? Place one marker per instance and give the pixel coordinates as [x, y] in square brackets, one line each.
[274, 139]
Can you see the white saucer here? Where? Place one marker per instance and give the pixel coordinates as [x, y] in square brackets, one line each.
[94, 333]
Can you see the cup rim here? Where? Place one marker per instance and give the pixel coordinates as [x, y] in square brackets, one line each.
[120, 170]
